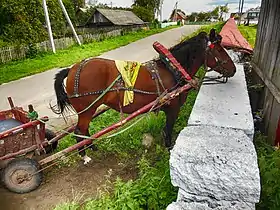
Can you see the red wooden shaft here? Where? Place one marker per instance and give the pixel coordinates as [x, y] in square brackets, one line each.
[168, 97]
[72, 128]
[61, 135]
[20, 152]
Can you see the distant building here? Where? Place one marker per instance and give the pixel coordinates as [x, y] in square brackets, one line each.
[235, 15]
[110, 17]
[252, 15]
[178, 16]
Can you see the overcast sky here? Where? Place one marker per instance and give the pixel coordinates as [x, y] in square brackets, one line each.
[190, 5]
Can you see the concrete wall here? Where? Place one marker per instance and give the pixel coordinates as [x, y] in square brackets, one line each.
[214, 162]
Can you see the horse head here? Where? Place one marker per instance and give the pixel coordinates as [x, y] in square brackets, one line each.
[217, 58]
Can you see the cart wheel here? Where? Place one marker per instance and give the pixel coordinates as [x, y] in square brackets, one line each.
[19, 175]
[50, 135]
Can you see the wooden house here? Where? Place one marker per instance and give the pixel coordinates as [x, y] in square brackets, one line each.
[110, 17]
[179, 15]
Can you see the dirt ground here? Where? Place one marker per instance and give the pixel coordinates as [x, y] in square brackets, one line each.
[68, 184]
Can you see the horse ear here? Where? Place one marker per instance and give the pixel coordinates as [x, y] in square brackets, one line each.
[219, 38]
[212, 35]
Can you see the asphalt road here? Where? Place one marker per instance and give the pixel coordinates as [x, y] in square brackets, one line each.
[38, 89]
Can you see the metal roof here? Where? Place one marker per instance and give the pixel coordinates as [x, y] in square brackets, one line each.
[120, 17]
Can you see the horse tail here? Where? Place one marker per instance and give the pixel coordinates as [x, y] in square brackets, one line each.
[61, 95]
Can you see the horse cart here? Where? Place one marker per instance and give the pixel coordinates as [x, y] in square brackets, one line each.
[23, 142]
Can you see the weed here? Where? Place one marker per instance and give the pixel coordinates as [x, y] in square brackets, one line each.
[152, 190]
[269, 165]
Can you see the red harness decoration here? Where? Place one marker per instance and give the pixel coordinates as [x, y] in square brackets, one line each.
[167, 54]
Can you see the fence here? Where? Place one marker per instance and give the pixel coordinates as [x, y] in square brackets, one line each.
[266, 63]
[164, 25]
[19, 52]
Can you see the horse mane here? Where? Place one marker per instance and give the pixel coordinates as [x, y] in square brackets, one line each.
[189, 50]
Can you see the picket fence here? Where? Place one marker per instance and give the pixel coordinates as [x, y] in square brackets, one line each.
[20, 52]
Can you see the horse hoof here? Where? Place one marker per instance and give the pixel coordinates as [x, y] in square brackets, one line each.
[93, 147]
[86, 159]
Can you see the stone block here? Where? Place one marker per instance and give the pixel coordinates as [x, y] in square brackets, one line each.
[212, 164]
[224, 104]
[180, 205]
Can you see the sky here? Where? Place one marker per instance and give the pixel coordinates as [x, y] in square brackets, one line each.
[190, 6]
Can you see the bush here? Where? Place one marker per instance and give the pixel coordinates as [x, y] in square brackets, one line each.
[32, 51]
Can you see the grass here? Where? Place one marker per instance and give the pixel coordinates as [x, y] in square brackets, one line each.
[152, 189]
[43, 62]
[269, 165]
[249, 33]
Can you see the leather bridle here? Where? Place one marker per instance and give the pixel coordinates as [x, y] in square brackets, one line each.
[210, 46]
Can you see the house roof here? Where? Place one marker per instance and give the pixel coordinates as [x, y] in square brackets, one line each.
[83, 9]
[120, 17]
[179, 13]
[182, 14]
[257, 9]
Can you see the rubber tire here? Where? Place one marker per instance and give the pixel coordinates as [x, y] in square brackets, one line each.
[26, 164]
[50, 135]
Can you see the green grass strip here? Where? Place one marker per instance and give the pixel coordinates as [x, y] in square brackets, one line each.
[19, 69]
[249, 33]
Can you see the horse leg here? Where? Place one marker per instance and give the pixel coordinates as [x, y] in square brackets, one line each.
[82, 129]
[171, 113]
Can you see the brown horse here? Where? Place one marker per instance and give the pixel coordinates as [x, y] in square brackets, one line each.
[88, 79]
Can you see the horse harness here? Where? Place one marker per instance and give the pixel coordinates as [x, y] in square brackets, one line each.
[209, 47]
[153, 70]
[119, 83]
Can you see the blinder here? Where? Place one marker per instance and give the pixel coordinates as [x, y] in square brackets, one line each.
[210, 47]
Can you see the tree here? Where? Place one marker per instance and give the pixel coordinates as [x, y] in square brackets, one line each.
[215, 12]
[143, 13]
[78, 4]
[23, 21]
[223, 9]
[149, 4]
[203, 16]
[193, 17]
[148, 7]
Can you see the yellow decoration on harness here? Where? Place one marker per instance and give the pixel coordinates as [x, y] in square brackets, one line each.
[129, 71]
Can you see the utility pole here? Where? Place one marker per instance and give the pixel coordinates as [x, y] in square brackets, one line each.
[48, 25]
[239, 8]
[69, 21]
[160, 10]
[241, 4]
[111, 5]
[176, 6]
